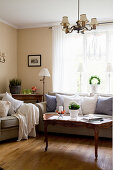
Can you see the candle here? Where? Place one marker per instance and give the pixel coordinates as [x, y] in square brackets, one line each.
[60, 109]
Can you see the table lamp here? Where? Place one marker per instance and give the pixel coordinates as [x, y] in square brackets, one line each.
[80, 69]
[109, 69]
[44, 73]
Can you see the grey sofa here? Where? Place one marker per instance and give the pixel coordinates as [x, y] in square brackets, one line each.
[9, 126]
[68, 130]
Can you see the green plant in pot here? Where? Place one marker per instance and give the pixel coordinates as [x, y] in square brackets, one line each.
[15, 86]
[74, 109]
[94, 81]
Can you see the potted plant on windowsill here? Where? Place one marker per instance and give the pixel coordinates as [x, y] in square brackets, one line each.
[94, 81]
[74, 109]
[15, 86]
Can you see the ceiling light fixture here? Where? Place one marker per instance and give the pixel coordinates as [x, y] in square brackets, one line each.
[80, 24]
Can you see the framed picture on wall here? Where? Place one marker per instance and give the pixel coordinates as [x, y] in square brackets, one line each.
[34, 60]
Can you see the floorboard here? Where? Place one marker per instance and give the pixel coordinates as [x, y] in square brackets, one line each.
[65, 152]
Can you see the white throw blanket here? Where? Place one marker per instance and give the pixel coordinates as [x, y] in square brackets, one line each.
[28, 116]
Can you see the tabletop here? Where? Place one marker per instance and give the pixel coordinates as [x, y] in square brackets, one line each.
[79, 119]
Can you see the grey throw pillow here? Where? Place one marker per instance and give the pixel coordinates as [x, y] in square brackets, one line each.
[104, 105]
[51, 103]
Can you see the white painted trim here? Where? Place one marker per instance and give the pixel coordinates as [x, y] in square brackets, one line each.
[35, 26]
[40, 25]
[5, 22]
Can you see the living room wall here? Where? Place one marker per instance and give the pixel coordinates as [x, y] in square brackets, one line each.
[30, 42]
[8, 45]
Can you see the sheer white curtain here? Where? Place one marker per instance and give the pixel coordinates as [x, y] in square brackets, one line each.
[94, 50]
[57, 59]
[66, 54]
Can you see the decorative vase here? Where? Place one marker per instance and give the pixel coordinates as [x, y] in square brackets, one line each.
[73, 113]
[94, 88]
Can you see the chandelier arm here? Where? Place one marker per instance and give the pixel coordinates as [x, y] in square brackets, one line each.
[71, 29]
[88, 29]
[74, 27]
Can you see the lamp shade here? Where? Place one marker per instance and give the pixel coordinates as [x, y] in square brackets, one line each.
[80, 68]
[109, 68]
[94, 21]
[83, 18]
[44, 72]
[65, 21]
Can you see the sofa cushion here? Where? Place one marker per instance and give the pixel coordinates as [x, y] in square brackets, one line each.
[4, 108]
[2, 95]
[15, 104]
[60, 100]
[104, 105]
[51, 103]
[68, 100]
[9, 121]
[89, 105]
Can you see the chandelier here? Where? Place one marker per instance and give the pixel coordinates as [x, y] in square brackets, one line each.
[80, 24]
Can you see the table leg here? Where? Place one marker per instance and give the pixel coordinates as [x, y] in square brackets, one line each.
[37, 132]
[96, 141]
[46, 136]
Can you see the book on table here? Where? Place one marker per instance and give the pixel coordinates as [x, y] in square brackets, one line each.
[93, 119]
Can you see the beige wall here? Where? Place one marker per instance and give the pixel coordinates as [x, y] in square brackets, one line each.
[34, 41]
[24, 42]
[8, 45]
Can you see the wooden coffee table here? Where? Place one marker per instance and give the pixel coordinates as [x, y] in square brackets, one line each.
[52, 119]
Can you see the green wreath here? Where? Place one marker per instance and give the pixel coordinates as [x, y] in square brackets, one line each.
[94, 77]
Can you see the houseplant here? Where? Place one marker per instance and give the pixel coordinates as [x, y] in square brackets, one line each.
[15, 86]
[26, 91]
[34, 89]
[73, 109]
[94, 81]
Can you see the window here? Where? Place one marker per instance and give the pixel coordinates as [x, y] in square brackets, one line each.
[93, 49]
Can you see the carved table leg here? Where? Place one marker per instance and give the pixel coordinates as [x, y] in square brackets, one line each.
[46, 136]
[96, 141]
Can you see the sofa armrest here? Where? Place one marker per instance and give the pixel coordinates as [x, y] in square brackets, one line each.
[42, 107]
[42, 110]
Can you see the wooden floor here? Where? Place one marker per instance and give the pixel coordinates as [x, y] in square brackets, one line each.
[65, 152]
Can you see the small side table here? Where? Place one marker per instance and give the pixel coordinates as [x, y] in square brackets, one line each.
[36, 98]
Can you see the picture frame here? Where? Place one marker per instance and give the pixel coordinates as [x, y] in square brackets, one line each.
[34, 60]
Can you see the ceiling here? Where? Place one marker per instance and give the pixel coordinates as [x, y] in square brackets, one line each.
[39, 13]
